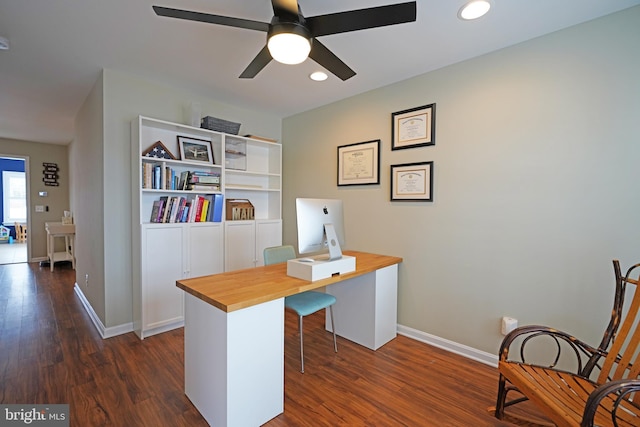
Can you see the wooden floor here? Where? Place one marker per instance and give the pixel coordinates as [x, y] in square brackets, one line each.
[50, 352]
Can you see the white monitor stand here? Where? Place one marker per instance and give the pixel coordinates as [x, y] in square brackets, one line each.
[332, 241]
[322, 267]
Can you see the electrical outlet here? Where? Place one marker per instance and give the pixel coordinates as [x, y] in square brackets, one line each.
[39, 208]
[86, 280]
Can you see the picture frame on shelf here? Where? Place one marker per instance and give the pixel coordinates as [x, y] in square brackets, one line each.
[195, 150]
[415, 127]
[412, 182]
[235, 154]
[158, 151]
[359, 163]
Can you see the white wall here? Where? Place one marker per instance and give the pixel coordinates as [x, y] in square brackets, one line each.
[103, 184]
[536, 183]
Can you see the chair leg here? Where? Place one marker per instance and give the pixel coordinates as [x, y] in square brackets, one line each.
[501, 398]
[301, 347]
[333, 327]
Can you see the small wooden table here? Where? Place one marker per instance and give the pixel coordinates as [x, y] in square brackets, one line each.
[234, 332]
[68, 232]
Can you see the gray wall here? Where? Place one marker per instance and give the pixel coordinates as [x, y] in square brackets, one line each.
[58, 197]
[536, 183]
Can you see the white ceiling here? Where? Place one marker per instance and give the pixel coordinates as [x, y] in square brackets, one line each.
[58, 48]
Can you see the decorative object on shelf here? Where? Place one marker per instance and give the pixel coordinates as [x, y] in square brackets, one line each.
[50, 174]
[220, 125]
[412, 182]
[236, 154]
[239, 209]
[415, 127]
[359, 164]
[195, 150]
[261, 138]
[158, 151]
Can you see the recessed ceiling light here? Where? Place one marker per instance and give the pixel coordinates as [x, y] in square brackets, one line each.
[318, 76]
[474, 9]
[4, 43]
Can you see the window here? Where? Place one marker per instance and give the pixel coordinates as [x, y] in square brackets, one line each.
[14, 197]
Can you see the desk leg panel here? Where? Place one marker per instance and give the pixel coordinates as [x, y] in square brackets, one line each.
[234, 362]
[366, 310]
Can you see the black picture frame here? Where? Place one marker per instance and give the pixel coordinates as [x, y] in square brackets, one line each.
[195, 150]
[412, 182]
[359, 163]
[415, 127]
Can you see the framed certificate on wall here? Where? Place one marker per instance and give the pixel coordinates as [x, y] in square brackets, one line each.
[359, 164]
[415, 127]
[412, 182]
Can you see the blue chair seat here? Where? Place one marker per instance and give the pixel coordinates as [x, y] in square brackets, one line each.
[309, 302]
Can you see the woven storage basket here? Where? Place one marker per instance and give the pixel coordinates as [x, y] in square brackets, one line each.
[220, 125]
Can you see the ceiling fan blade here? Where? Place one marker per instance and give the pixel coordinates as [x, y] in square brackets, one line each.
[287, 9]
[361, 19]
[259, 62]
[211, 19]
[328, 60]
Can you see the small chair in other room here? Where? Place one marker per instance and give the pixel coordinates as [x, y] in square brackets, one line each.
[21, 232]
[304, 303]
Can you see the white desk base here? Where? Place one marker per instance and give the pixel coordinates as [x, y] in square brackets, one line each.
[234, 362]
[366, 310]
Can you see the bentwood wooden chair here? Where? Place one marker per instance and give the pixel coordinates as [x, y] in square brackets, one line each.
[579, 384]
[304, 303]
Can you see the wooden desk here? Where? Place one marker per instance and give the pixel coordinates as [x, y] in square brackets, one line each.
[234, 332]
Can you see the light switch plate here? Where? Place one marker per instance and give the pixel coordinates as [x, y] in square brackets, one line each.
[39, 208]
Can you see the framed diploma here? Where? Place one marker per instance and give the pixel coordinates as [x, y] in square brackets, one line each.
[359, 164]
[415, 127]
[412, 182]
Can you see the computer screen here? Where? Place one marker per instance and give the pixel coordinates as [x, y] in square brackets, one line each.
[317, 219]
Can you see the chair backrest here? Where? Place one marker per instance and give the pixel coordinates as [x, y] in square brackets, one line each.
[21, 232]
[278, 254]
[622, 360]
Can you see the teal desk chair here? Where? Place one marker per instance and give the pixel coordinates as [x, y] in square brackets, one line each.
[304, 303]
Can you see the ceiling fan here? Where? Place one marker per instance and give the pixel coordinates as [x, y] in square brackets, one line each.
[291, 37]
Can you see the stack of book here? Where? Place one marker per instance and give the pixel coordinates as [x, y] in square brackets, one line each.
[199, 181]
[198, 208]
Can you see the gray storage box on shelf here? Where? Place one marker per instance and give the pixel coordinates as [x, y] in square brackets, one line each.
[220, 125]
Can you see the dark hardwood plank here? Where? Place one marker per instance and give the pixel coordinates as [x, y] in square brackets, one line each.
[50, 352]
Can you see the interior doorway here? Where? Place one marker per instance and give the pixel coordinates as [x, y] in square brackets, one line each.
[14, 209]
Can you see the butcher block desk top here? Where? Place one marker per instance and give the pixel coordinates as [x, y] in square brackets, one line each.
[235, 290]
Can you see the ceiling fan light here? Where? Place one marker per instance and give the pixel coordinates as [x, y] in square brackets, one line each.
[318, 76]
[289, 48]
[474, 9]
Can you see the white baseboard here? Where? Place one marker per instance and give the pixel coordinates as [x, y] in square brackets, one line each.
[102, 330]
[454, 347]
[461, 349]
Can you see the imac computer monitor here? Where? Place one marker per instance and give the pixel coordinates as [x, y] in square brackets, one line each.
[320, 226]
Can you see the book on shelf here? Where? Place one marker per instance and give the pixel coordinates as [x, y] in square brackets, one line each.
[205, 210]
[204, 179]
[155, 211]
[203, 187]
[218, 203]
[198, 209]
